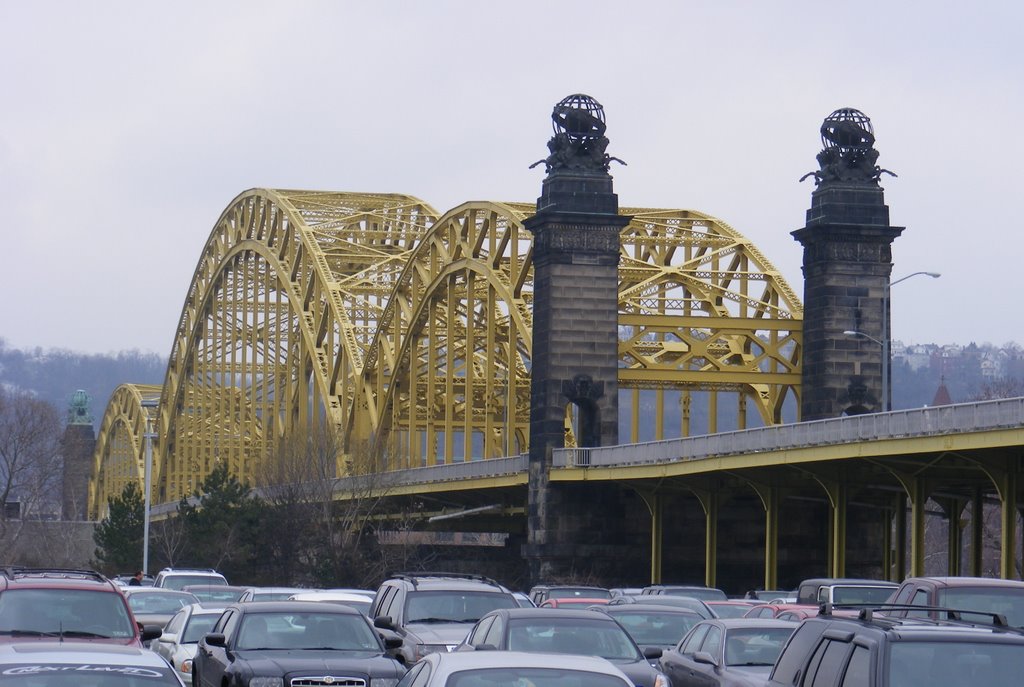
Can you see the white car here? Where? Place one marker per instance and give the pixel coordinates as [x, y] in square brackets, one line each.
[360, 602]
[463, 669]
[83, 664]
[176, 578]
[181, 637]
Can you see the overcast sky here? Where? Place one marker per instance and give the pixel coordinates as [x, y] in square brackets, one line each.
[127, 127]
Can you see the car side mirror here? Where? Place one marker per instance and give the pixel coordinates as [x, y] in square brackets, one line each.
[393, 642]
[215, 639]
[151, 632]
[652, 652]
[705, 657]
[384, 622]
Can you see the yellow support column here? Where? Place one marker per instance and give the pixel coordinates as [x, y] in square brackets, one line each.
[954, 540]
[711, 539]
[1008, 518]
[771, 538]
[887, 556]
[655, 505]
[838, 495]
[977, 532]
[900, 570]
[917, 499]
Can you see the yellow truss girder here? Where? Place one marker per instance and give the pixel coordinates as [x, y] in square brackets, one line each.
[412, 332]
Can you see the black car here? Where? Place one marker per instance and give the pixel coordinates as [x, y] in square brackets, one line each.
[872, 650]
[292, 642]
[565, 631]
[653, 625]
[727, 652]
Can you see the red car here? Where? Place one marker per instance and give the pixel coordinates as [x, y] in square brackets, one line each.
[70, 605]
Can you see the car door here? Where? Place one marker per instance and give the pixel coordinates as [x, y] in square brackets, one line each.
[213, 661]
[677, 663]
[164, 644]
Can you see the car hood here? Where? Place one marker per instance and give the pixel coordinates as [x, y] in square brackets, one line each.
[448, 634]
[287, 661]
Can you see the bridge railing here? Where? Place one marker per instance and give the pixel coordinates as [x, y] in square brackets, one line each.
[917, 422]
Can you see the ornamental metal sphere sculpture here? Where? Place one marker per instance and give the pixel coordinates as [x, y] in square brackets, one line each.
[579, 117]
[579, 142]
[848, 154]
[847, 129]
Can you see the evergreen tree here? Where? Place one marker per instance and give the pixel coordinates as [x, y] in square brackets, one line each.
[222, 526]
[119, 535]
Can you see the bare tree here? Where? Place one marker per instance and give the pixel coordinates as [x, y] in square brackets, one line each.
[30, 463]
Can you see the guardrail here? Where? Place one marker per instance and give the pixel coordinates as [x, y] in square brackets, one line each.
[918, 422]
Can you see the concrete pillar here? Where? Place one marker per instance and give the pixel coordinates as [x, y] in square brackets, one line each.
[847, 265]
[575, 326]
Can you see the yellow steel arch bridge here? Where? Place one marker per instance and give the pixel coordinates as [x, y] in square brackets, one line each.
[409, 333]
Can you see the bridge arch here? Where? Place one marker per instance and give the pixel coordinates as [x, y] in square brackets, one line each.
[316, 308]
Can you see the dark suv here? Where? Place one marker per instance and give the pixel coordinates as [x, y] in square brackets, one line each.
[871, 650]
[78, 605]
[433, 612]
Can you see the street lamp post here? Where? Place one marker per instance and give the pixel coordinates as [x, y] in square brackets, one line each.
[884, 343]
[149, 436]
[886, 362]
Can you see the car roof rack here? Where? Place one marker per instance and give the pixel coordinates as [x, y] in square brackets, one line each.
[65, 573]
[414, 577]
[866, 612]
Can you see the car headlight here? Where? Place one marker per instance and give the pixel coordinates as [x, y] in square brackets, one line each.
[424, 649]
[661, 680]
[383, 681]
[186, 665]
[266, 682]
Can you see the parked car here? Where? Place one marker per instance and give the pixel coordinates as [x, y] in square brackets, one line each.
[155, 606]
[524, 600]
[357, 601]
[513, 668]
[871, 650]
[726, 652]
[729, 608]
[218, 594]
[79, 605]
[560, 631]
[542, 592]
[693, 591]
[769, 595]
[292, 643]
[652, 625]
[666, 600]
[432, 612]
[1005, 597]
[838, 590]
[79, 664]
[573, 602]
[176, 578]
[181, 637]
[269, 593]
[773, 610]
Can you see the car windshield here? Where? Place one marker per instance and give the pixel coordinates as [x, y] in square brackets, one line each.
[591, 637]
[179, 581]
[1008, 602]
[861, 594]
[657, 629]
[579, 592]
[697, 593]
[92, 674]
[199, 625]
[755, 646]
[223, 596]
[536, 677]
[159, 603]
[306, 630]
[453, 606]
[949, 664]
[64, 612]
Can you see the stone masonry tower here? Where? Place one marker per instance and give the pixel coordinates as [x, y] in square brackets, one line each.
[575, 329]
[77, 448]
[847, 267]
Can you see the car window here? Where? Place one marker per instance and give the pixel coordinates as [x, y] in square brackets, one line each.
[494, 635]
[198, 626]
[792, 657]
[904, 595]
[827, 663]
[858, 670]
[413, 677]
[690, 646]
[476, 637]
[97, 613]
[386, 600]
[174, 624]
[713, 642]
[453, 606]
[1008, 601]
